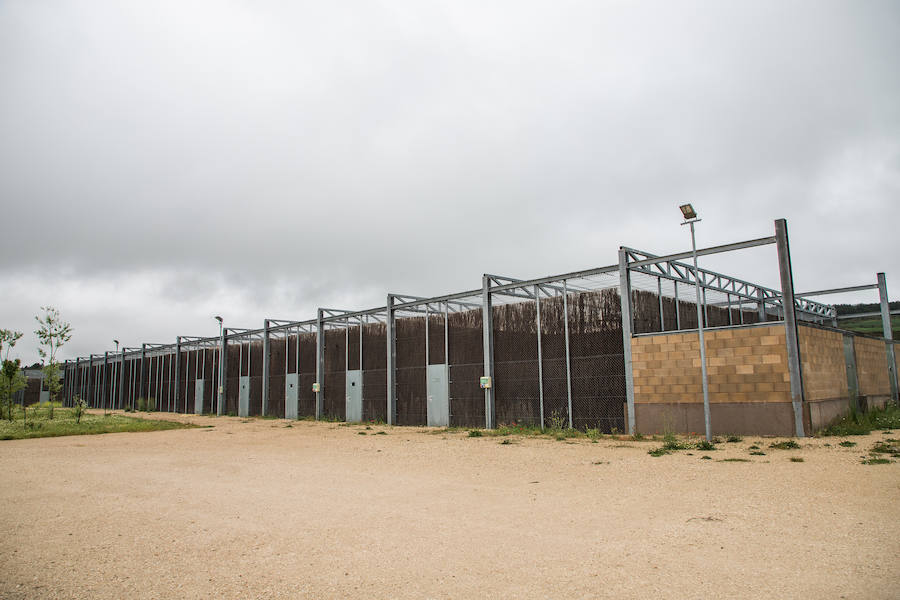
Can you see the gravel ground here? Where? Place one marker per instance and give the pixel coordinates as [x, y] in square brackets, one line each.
[264, 509]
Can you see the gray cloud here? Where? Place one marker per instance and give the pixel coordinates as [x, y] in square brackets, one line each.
[178, 159]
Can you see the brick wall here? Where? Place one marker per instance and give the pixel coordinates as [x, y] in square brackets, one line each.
[822, 362]
[871, 367]
[746, 364]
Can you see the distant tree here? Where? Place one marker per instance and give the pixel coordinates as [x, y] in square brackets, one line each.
[11, 381]
[11, 378]
[52, 334]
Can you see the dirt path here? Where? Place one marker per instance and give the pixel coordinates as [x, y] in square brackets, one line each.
[259, 509]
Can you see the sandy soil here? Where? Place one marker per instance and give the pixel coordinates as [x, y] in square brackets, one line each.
[261, 510]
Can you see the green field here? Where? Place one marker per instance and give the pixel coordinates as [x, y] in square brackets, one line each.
[38, 424]
[870, 325]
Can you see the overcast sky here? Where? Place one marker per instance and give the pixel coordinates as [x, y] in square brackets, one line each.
[163, 162]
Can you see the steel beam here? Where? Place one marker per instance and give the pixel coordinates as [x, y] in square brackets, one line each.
[704, 251]
[853, 288]
[790, 323]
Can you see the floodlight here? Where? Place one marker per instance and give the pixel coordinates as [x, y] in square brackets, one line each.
[688, 211]
[218, 318]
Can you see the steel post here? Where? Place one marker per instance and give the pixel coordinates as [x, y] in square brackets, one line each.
[267, 365]
[701, 312]
[888, 334]
[568, 353]
[177, 375]
[104, 379]
[790, 323]
[537, 306]
[625, 300]
[141, 375]
[320, 365]
[220, 390]
[487, 330]
[391, 361]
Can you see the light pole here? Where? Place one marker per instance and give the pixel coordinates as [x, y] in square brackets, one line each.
[220, 390]
[690, 218]
[117, 345]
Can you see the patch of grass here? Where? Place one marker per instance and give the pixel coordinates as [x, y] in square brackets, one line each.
[670, 444]
[705, 457]
[704, 445]
[797, 459]
[637, 437]
[475, 433]
[754, 447]
[63, 423]
[380, 433]
[785, 445]
[875, 461]
[505, 442]
[360, 433]
[857, 423]
[734, 439]
[890, 447]
[757, 453]
[847, 444]
[735, 460]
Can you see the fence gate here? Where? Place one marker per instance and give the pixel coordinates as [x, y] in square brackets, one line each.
[438, 396]
[354, 396]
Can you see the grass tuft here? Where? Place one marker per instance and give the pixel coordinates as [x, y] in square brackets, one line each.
[857, 423]
[797, 459]
[785, 445]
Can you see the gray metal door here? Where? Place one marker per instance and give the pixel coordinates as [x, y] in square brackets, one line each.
[291, 391]
[438, 393]
[199, 389]
[354, 396]
[244, 397]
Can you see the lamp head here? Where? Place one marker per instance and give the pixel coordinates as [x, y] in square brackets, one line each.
[218, 318]
[688, 211]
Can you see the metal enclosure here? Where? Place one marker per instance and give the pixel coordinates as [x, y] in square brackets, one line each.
[244, 396]
[354, 396]
[438, 391]
[199, 390]
[291, 395]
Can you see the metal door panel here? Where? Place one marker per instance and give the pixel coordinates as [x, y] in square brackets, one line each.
[291, 395]
[437, 389]
[354, 396]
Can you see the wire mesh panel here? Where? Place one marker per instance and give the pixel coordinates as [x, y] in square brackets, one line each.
[597, 360]
[466, 361]
[335, 384]
[255, 371]
[374, 382]
[516, 373]
[306, 398]
[278, 366]
[412, 406]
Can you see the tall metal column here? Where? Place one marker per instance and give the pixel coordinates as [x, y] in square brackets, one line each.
[267, 365]
[220, 390]
[104, 379]
[141, 376]
[320, 365]
[391, 361]
[568, 353]
[487, 330]
[121, 389]
[625, 300]
[177, 374]
[761, 307]
[888, 334]
[537, 306]
[790, 323]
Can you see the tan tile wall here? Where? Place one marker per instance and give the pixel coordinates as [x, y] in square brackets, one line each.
[823, 364]
[744, 365]
[871, 367]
